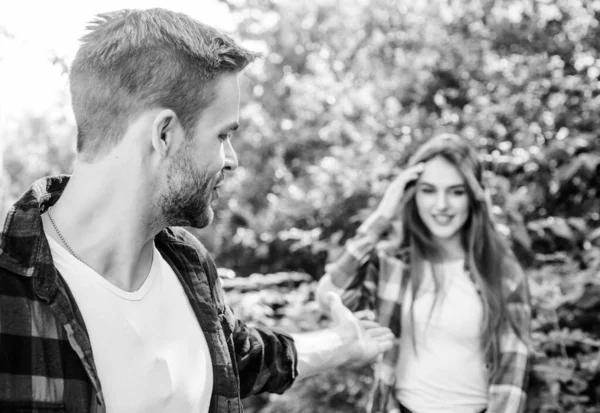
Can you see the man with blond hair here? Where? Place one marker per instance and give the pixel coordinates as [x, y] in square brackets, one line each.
[106, 303]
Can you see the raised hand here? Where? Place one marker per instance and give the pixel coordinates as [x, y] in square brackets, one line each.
[366, 339]
[389, 205]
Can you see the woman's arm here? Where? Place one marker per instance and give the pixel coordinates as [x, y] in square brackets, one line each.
[354, 274]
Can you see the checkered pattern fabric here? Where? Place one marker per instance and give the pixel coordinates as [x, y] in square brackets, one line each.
[46, 360]
[371, 278]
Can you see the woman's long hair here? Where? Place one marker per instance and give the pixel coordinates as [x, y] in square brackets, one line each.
[486, 252]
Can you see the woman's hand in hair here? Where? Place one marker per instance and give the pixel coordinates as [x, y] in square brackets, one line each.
[390, 204]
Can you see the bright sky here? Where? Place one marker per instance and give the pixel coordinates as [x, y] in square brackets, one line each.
[41, 28]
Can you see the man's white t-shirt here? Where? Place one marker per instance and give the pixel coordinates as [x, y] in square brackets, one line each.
[150, 352]
[446, 373]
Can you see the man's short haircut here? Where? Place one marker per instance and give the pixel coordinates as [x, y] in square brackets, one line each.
[132, 60]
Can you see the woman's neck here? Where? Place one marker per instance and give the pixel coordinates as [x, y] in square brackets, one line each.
[451, 249]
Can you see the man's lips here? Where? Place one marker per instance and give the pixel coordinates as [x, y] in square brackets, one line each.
[219, 181]
[214, 192]
[218, 184]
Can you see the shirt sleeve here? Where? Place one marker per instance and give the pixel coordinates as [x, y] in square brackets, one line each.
[508, 389]
[354, 273]
[266, 359]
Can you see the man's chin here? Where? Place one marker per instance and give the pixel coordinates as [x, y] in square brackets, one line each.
[204, 219]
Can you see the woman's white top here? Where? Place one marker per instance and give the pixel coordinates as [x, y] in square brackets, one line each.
[446, 372]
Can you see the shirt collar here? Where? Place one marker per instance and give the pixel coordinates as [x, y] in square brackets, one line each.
[23, 246]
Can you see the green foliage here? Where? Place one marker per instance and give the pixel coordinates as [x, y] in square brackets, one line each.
[345, 92]
[566, 371]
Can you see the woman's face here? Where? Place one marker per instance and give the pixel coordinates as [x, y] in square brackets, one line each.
[442, 199]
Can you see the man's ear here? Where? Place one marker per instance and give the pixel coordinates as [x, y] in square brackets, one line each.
[166, 132]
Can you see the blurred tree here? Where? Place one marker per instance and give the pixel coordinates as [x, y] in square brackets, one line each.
[37, 146]
[346, 90]
[34, 145]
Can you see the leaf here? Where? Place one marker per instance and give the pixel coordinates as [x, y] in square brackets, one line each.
[577, 385]
[567, 172]
[594, 237]
[555, 370]
[590, 363]
[590, 161]
[519, 233]
[537, 227]
[578, 224]
[560, 228]
[590, 299]
[591, 258]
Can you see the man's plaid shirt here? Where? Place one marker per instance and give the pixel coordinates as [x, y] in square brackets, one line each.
[46, 360]
[375, 279]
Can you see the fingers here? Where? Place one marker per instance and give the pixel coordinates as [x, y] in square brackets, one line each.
[373, 328]
[379, 336]
[412, 173]
[419, 167]
[374, 334]
[377, 345]
[368, 324]
[385, 345]
[339, 312]
[395, 192]
[365, 315]
[379, 332]
[372, 338]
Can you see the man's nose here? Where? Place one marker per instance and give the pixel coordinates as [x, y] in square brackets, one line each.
[231, 160]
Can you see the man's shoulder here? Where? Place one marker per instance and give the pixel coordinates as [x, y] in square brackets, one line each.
[189, 255]
[183, 237]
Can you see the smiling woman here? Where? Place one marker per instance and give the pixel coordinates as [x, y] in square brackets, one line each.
[448, 286]
[442, 202]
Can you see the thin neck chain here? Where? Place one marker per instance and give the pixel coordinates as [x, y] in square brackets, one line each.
[63, 238]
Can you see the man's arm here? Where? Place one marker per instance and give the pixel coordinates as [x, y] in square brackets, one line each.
[270, 360]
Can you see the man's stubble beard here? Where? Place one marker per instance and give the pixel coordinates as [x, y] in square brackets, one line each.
[186, 198]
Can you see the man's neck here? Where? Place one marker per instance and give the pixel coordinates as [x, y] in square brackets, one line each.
[105, 219]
